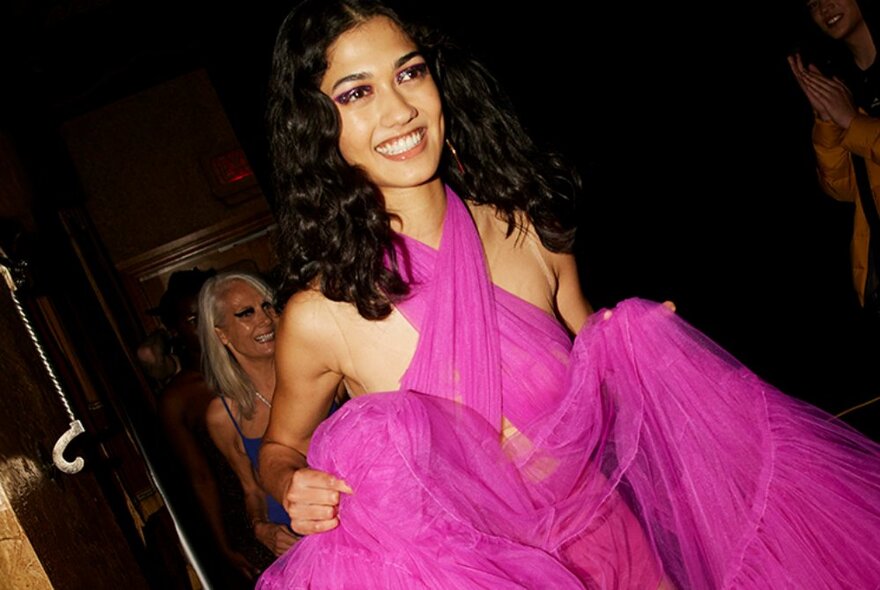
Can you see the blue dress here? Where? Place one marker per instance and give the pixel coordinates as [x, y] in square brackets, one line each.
[276, 512]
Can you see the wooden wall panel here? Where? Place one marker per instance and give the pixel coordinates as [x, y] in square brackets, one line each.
[19, 566]
[144, 164]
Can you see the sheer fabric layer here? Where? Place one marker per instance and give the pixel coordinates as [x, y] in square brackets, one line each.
[644, 450]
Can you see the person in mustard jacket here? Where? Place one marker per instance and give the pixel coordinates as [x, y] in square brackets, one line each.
[846, 103]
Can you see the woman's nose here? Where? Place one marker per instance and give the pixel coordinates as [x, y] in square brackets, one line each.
[267, 315]
[825, 6]
[397, 110]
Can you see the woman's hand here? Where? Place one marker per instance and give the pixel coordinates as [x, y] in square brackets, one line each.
[833, 96]
[312, 501]
[800, 74]
[830, 98]
[667, 304]
[277, 537]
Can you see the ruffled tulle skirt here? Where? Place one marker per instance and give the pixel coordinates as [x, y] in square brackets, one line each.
[665, 462]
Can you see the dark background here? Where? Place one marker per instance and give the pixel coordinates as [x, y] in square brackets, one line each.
[684, 120]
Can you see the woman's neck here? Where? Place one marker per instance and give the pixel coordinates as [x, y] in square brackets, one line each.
[262, 374]
[419, 211]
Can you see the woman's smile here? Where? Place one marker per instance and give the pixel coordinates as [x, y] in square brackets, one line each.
[403, 147]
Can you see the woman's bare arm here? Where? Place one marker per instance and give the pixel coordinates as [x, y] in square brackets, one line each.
[227, 440]
[307, 379]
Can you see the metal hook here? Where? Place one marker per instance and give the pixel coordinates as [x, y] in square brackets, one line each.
[69, 467]
[7, 267]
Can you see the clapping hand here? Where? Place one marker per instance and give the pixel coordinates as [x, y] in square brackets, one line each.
[830, 98]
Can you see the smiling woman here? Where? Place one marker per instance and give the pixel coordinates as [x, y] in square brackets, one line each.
[237, 336]
[389, 107]
[500, 434]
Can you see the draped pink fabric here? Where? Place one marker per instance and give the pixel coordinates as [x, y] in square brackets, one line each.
[643, 450]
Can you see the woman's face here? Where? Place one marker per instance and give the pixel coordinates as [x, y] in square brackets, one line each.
[836, 18]
[389, 106]
[245, 321]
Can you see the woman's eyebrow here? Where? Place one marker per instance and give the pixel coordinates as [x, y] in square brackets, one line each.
[364, 75]
[402, 60]
[350, 78]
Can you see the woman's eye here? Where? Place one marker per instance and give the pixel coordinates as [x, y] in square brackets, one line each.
[353, 95]
[413, 72]
[246, 312]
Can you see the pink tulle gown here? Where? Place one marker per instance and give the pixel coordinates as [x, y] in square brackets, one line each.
[642, 453]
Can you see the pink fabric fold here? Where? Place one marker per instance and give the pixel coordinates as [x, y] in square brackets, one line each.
[643, 451]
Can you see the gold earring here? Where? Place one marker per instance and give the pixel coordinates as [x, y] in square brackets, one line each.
[455, 156]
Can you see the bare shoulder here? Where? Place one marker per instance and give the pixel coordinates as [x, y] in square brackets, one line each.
[555, 264]
[519, 243]
[488, 219]
[308, 314]
[520, 263]
[310, 328]
[494, 227]
[216, 415]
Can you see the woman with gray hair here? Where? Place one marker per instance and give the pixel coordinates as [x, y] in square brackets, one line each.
[237, 334]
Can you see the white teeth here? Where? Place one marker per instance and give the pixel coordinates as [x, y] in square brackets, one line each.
[265, 337]
[833, 20]
[398, 146]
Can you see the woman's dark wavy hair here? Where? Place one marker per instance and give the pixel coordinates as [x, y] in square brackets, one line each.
[334, 231]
